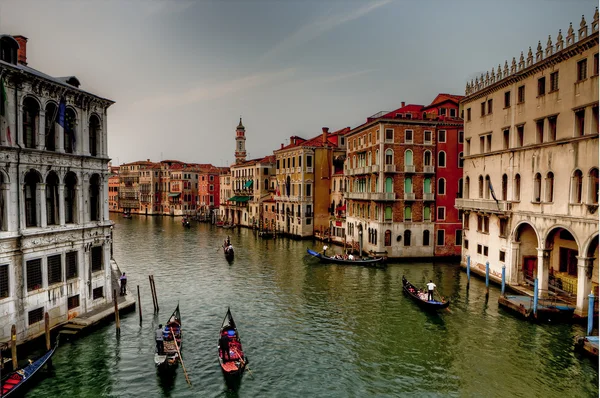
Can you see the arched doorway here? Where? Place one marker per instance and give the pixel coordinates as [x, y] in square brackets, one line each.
[525, 265]
[560, 258]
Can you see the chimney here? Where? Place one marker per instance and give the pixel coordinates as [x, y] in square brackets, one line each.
[403, 103]
[325, 132]
[22, 52]
[282, 145]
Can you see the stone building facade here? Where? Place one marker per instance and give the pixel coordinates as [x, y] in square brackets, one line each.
[531, 167]
[55, 231]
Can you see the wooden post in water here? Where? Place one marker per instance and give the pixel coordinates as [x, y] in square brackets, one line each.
[47, 330]
[155, 295]
[487, 278]
[468, 271]
[139, 303]
[503, 279]
[152, 292]
[117, 320]
[13, 346]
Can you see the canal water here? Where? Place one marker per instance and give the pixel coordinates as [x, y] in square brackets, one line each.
[310, 330]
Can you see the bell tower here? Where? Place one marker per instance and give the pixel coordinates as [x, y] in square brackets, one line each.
[240, 143]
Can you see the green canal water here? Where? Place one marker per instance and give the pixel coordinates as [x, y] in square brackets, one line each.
[311, 330]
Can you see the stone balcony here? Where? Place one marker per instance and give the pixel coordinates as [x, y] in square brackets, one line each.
[390, 168]
[409, 168]
[485, 205]
[381, 196]
[428, 196]
[428, 169]
[409, 196]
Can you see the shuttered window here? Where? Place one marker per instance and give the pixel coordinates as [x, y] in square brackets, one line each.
[34, 274]
[3, 281]
[36, 315]
[96, 258]
[71, 261]
[54, 269]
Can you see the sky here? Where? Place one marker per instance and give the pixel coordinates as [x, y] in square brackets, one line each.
[182, 72]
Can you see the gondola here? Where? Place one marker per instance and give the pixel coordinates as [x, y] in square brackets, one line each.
[14, 384]
[185, 222]
[367, 262]
[172, 334]
[232, 367]
[413, 292]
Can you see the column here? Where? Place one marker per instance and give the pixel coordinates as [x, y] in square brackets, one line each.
[79, 207]
[543, 270]
[60, 132]
[584, 283]
[7, 211]
[61, 204]
[512, 276]
[41, 205]
[41, 133]
[104, 198]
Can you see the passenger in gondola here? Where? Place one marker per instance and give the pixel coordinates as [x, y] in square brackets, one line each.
[224, 346]
[159, 340]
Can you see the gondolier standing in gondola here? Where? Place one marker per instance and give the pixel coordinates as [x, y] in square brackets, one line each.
[430, 288]
[224, 346]
[159, 340]
[325, 249]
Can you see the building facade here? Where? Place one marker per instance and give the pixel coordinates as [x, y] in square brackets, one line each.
[531, 167]
[55, 231]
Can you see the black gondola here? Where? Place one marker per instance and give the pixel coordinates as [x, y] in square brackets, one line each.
[413, 292]
[14, 383]
[378, 262]
[229, 253]
[233, 366]
[172, 334]
[185, 222]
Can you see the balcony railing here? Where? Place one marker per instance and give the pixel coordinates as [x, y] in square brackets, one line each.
[383, 196]
[309, 170]
[428, 169]
[428, 196]
[409, 168]
[390, 168]
[483, 204]
[375, 168]
[409, 196]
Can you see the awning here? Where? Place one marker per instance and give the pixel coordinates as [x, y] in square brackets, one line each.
[243, 198]
[172, 195]
[248, 183]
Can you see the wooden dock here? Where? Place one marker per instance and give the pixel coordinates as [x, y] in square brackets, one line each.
[547, 309]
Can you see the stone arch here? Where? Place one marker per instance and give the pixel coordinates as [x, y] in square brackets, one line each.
[590, 246]
[553, 230]
[4, 177]
[527, 238]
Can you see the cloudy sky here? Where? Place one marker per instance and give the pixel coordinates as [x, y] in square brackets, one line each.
[183, 72]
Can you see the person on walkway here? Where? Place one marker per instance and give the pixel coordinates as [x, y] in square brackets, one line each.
[224, 346]
[430, 288]
[123, 280]
[160, 348]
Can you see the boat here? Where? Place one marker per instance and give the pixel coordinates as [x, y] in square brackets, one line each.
[14, 383]
[229, 253]
[368, 262]
[413, 292]
[126, 214]
[172, 334]
[185, 222]
[265, 234]
[232, 367]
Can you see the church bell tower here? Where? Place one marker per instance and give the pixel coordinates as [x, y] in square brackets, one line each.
[240, 143]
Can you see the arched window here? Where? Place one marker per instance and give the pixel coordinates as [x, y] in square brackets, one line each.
[389, 157]
[441, 186]
[288, 185]
[504, 187]
[467, 186]
[31, 181]
[377, 156]
[407, 213]
[426, 237]
[388, 213]
[354, 161]
[593, 186]
[442, 159]
[550, 187]
[408, 185]
[388, 237]
[427, 185]
[486, 188]
[70, 132]
[407, 237]
[95, 198]
[459, 193]
[52, 199]
[50, 132]
[480, 187]
[427, 213]
[460, 160]
[408, 158]
[427, 158]
[537, 187]
[517, 193]
[576, 185]
[31, 111]
[94, 129]
[389, 184]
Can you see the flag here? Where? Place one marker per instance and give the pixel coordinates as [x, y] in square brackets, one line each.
[4, 109]
[492, 191]
[278, 192]
[61, 120]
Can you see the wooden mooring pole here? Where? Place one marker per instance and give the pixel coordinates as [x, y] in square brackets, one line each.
[152, 292]
[13, 346]
[117, 320]
[139, 303]
[47, 330]
[155, 294]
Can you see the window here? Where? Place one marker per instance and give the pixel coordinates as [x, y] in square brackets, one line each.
[407, 237]
[309, 161]
[308, 189]
[73, 302]
[389, 157]
[486, 224]
[388, 238]
[554, 81]
[389, 135]
[552, 128]
[537, 187]
[467, 188]
[466, 243]
[408, 158]
[483, 108]
[30, 119]
[97, 263]
[466, 221]
[504, 187]
[427, 213]
[408, 136]
[582, 70]
[593, 187]
[3, 281]
[550, 187]
[70, 197]
[427, 137]
[427, 158]
[440, 237]
[426, 238]
[468, 114]
[441, 186]
[461, 137]
[52, 199]
[576, 185]
[487, 189]
[442, 159]
[479, 249]
[490, 105]
[507, 99]
[579, 123]
[461, 160]
[98, 293]
[485, 251]
[506, 139]
[388, 213]
[480, 187]
[35, 316]
[517, 191]
[442, 111]
[70, 130]
[595, 71]
[34, 274]
[539, 127]
[441, 213]
[458, 237]
[452, 112]
[488, 143]
[520, 134]
[94, 128]
[521, 94]
[468, 146]
[442, 136]
[407, 213]
[71, 264]
[31, 181]
[95, 198]
[541, 86]
[502, 256]
[503, 228]
[54, 269]
[408, 188]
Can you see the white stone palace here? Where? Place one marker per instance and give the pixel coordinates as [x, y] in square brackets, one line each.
[531, 167]
[55, 232]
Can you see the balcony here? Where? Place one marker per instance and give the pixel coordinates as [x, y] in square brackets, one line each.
[486, 205]
[428, 169]
[428, 197]
[390, 168]
[375, 168]
[383, 196]
[358, 195]
[409, 168]
[309, 170]
[409, 196]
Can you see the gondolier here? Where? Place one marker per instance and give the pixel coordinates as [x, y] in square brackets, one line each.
[430, 288]
[159, 340]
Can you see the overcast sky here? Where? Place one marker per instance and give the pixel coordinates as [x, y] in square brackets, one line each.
[183, 72]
